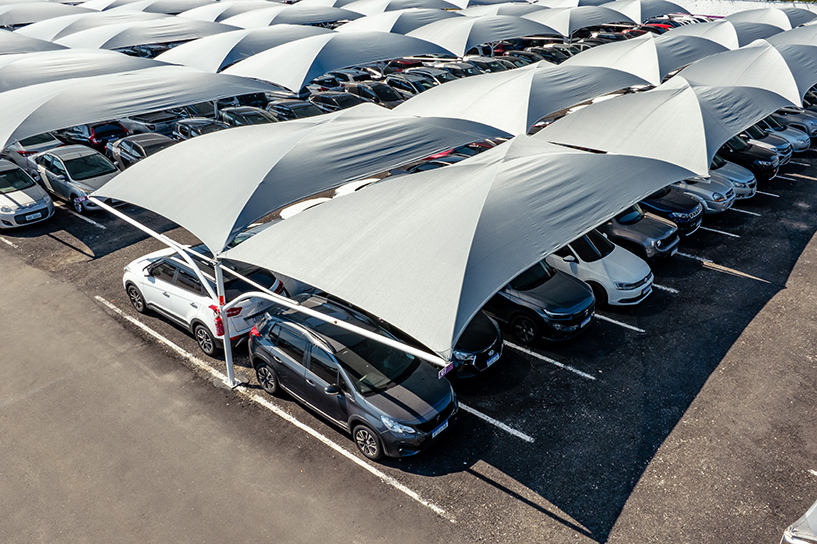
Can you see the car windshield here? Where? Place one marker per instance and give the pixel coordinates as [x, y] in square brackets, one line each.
[348, 100]
[737, 144]
[37, 140]
[207, 129]
[256, 118]
[664, 191]
[444, 77]
[112, 129]
[774, 123]
[533, 277]
[631, 215]
[305, 110]
[592, 247]
[14, 180]
[424, 83]
[89, 166]
[386, 93]
[756, 132]
[717, 162]
[154, 148]
[375, 367]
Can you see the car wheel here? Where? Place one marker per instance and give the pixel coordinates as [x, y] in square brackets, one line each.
[205, 340]
[267, 378]
[524, 329]
[600, 294]
[367, 442]
[136, 299]
[77, 204]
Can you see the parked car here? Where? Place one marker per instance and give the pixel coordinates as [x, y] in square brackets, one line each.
[326, 82]
[163, 282]
[22, 201]
[438, 76]
[764, 163]
[550, 54]
[95, 135]
[408, 84]
[350, 75]
[285, 110]
[518, 62]
[245, 115]
[72, 172]
[743, 180]
[330, 101]
[132, 149]
[543, 303]
[467, 150]
[377, 92]
[804, 530]
[799, 140]
[616, 276]
[196, 126]
[458, 69]
[200, 109]
[644, 234]
[161, 122]
[446, 160]
[18, 151]
[528, 55]
[392, 402]
[398, 65]
[755, 135]
[799, 118]
[716, 194]
[487, 64]
[685, 211]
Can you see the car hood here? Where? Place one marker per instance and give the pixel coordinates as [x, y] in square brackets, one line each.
[560, 294]
[25, 198]
[754, 152]
[792, 134]
[734, 172]
[652, 226]
[622, 266]
[420, 396]
[480, 334]
[671, 202]
[771, 141]
[705, 189]
[92, 184]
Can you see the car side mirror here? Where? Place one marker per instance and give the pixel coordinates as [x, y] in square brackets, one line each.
[332, 389]
[569, 259]
[154, 272]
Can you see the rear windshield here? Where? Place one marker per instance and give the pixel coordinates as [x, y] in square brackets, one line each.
[153, 148]
[630, 215]
[348, 100]
[386, 93]
[37, 140]
[737, 144]
[375, 367]
[255, 118]
[14, 180]
[207, 129]
[305, 110]
[112, 129]
[424, 83]
[717, 162]
[533, 277]
[89, 166]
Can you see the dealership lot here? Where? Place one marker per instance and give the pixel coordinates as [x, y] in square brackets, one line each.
[687, 415]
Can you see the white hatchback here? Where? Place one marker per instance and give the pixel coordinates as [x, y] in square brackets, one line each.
[163, 282]
[617, 276]
[22, 202]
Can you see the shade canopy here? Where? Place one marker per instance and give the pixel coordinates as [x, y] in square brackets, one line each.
[373, 7]
[295, 64]
[215, 194]
[214, 53]
[163, 30]
[678, 50]
[749, 31]
[514, 100]
[169, 7]
[638, 56]
[516, 9]
[292, 15]
[786, 18]
[676, 122]
[11, 42]
[460, 34]
[641, 10]
[218, 11]
[58, 104]
[397, 22]
[453, 236]
[58, 27]
[721, 31]
[566, 21]
[804, 35]
[31, 12]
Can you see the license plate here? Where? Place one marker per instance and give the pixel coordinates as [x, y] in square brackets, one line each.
[445, 370]
[647, 290]
[34, 216]
[492, 360]
[257, 318]
[586, 321]
[439, 429]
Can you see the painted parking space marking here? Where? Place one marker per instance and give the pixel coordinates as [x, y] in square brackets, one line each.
[619, 323]
[803, 177]
[720, 232]
[86, 219]
[745, 211]
[768, 194]
[813, 472]
[9, 242]
[492, 421]
[251, 395]
[549, 360]
[799, 163]
[665, 288]
[784, 178]
[707, 263]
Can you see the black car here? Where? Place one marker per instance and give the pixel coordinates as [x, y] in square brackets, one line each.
[392, 402]
[95, 135]
[245, 115]
[330, 101]
[433, 164]
[377, 92]
[161, 122]
[487, 64]
[763, 163]
[284, 110]
[681, 209]
[459, 69]
[132, 149]
[543, 303]
[196, 126]
[528, 55]
[409, 84]
[550, 54]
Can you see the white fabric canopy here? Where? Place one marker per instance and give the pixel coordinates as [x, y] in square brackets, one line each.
[56, 28]
[11, 42]
[293, 15]
[295, 64]
[566, 21]
[785, 19]
[804, 35]
[678, 50]
[217, 12]
[722, 32]
[373, 7]
[517, 9]
[424, 252]
[515, 99]
[169, 7]
[31, 12]
[214, 53]
[641, 10]
[398, 22]
[638, 56]
[215, 194]
[164, 30]
[460, 34]
[749, 32]
[58, 104]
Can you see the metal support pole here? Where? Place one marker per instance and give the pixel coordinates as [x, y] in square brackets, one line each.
[228, 348]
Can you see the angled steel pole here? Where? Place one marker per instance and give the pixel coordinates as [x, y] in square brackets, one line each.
[228, 348]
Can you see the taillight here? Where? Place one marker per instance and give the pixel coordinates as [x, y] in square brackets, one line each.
[26, 153]
[217, 321]
[232, 312]
[254, 332]
[279, 289]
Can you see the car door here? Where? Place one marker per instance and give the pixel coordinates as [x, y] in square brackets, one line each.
[288, 358]
[188, 297]
[158, 285]
[323, 372]
[58, 177]
[43, 164]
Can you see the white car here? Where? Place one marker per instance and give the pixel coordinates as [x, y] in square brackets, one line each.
[163, 282]
[22, 201]
[18, 151]
[617, 276]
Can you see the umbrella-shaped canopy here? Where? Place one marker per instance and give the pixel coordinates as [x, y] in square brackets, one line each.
[641, 10]
[748, 32]
[164, 30]
[785, 19]
[373, 7]
[218, 11]
[452, 237]
[11, 42]
[722, 32]
[515, 99]
[58, 27]
[295, 64]
[30, 12]
[678, 50]
[5, 2]
[638, 56]
[326, 3]
[398, 22]
[292, 15]
[216, 195]
[463, 4]
[572, 3]
[676, 122]
[802, 59]
[460, 34]
[568, 20]
[798, 16]
[169, 7]
[214, 53]
[517, 9]
[804, 35]
[58, 104]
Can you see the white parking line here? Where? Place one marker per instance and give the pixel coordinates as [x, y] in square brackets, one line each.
[665, 288]
[688, 256]
[707, 263]
[745, 211]
[385, 478]
[720, 232]
[813, 472]
[496, 423]
[768, 194]
[9, 242]
[799, 163]
[802, 176]
[87, 219]
[619, 323]
[784, 178]
[549, 360]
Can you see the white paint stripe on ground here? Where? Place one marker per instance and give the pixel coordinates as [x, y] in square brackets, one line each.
[768, 194]
[813, 472]
[9, 242]
[720, 232]
[619, 323]
[802, 176]
[720, 268]
[799, 163]
[688, 256]
[784, 178]
[549, 360]
[745, 211]
[385, 478]
[665, 288]
[496, 423]
[86, 219]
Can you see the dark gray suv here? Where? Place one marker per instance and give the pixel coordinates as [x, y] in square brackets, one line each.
[393, 403]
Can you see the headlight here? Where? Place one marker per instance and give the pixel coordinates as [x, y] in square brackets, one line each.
[395, 427]
[679, 215]
[6, 209]
[739, 184]
[717, 197]
[463, 356]
[46, 199]
[624, 286]
[765, 164]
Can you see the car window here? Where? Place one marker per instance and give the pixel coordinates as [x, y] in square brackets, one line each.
[630, 215]
[533, 277]
[44, 161]
[563, 252]
[323, 366]
[36, 140]
[347, 101]
[163, 271]
[756, 132]
[14, 180]
[386, 93]
[717, 162]
[89, 166]
[125, 146]
[57, 167]
[188, 281]
[292, 343]
[153, 148]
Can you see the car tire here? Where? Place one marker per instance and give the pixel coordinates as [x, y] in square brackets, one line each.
[136, 299]
[267, 378]
[525, 329]
[77, 204]
[599, 293]
[205, 340]
[367, 442]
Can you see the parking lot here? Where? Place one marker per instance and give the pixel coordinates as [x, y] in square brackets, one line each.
[686, 418]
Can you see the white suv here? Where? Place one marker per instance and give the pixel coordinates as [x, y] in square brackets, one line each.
[162, 281]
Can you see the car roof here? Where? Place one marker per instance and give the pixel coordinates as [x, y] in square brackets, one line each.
[71, 151]
[332, 93]
[198, 121]
[147, 138]
[242, 109]
[408, 76]
[289, 102]
[7, 165]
